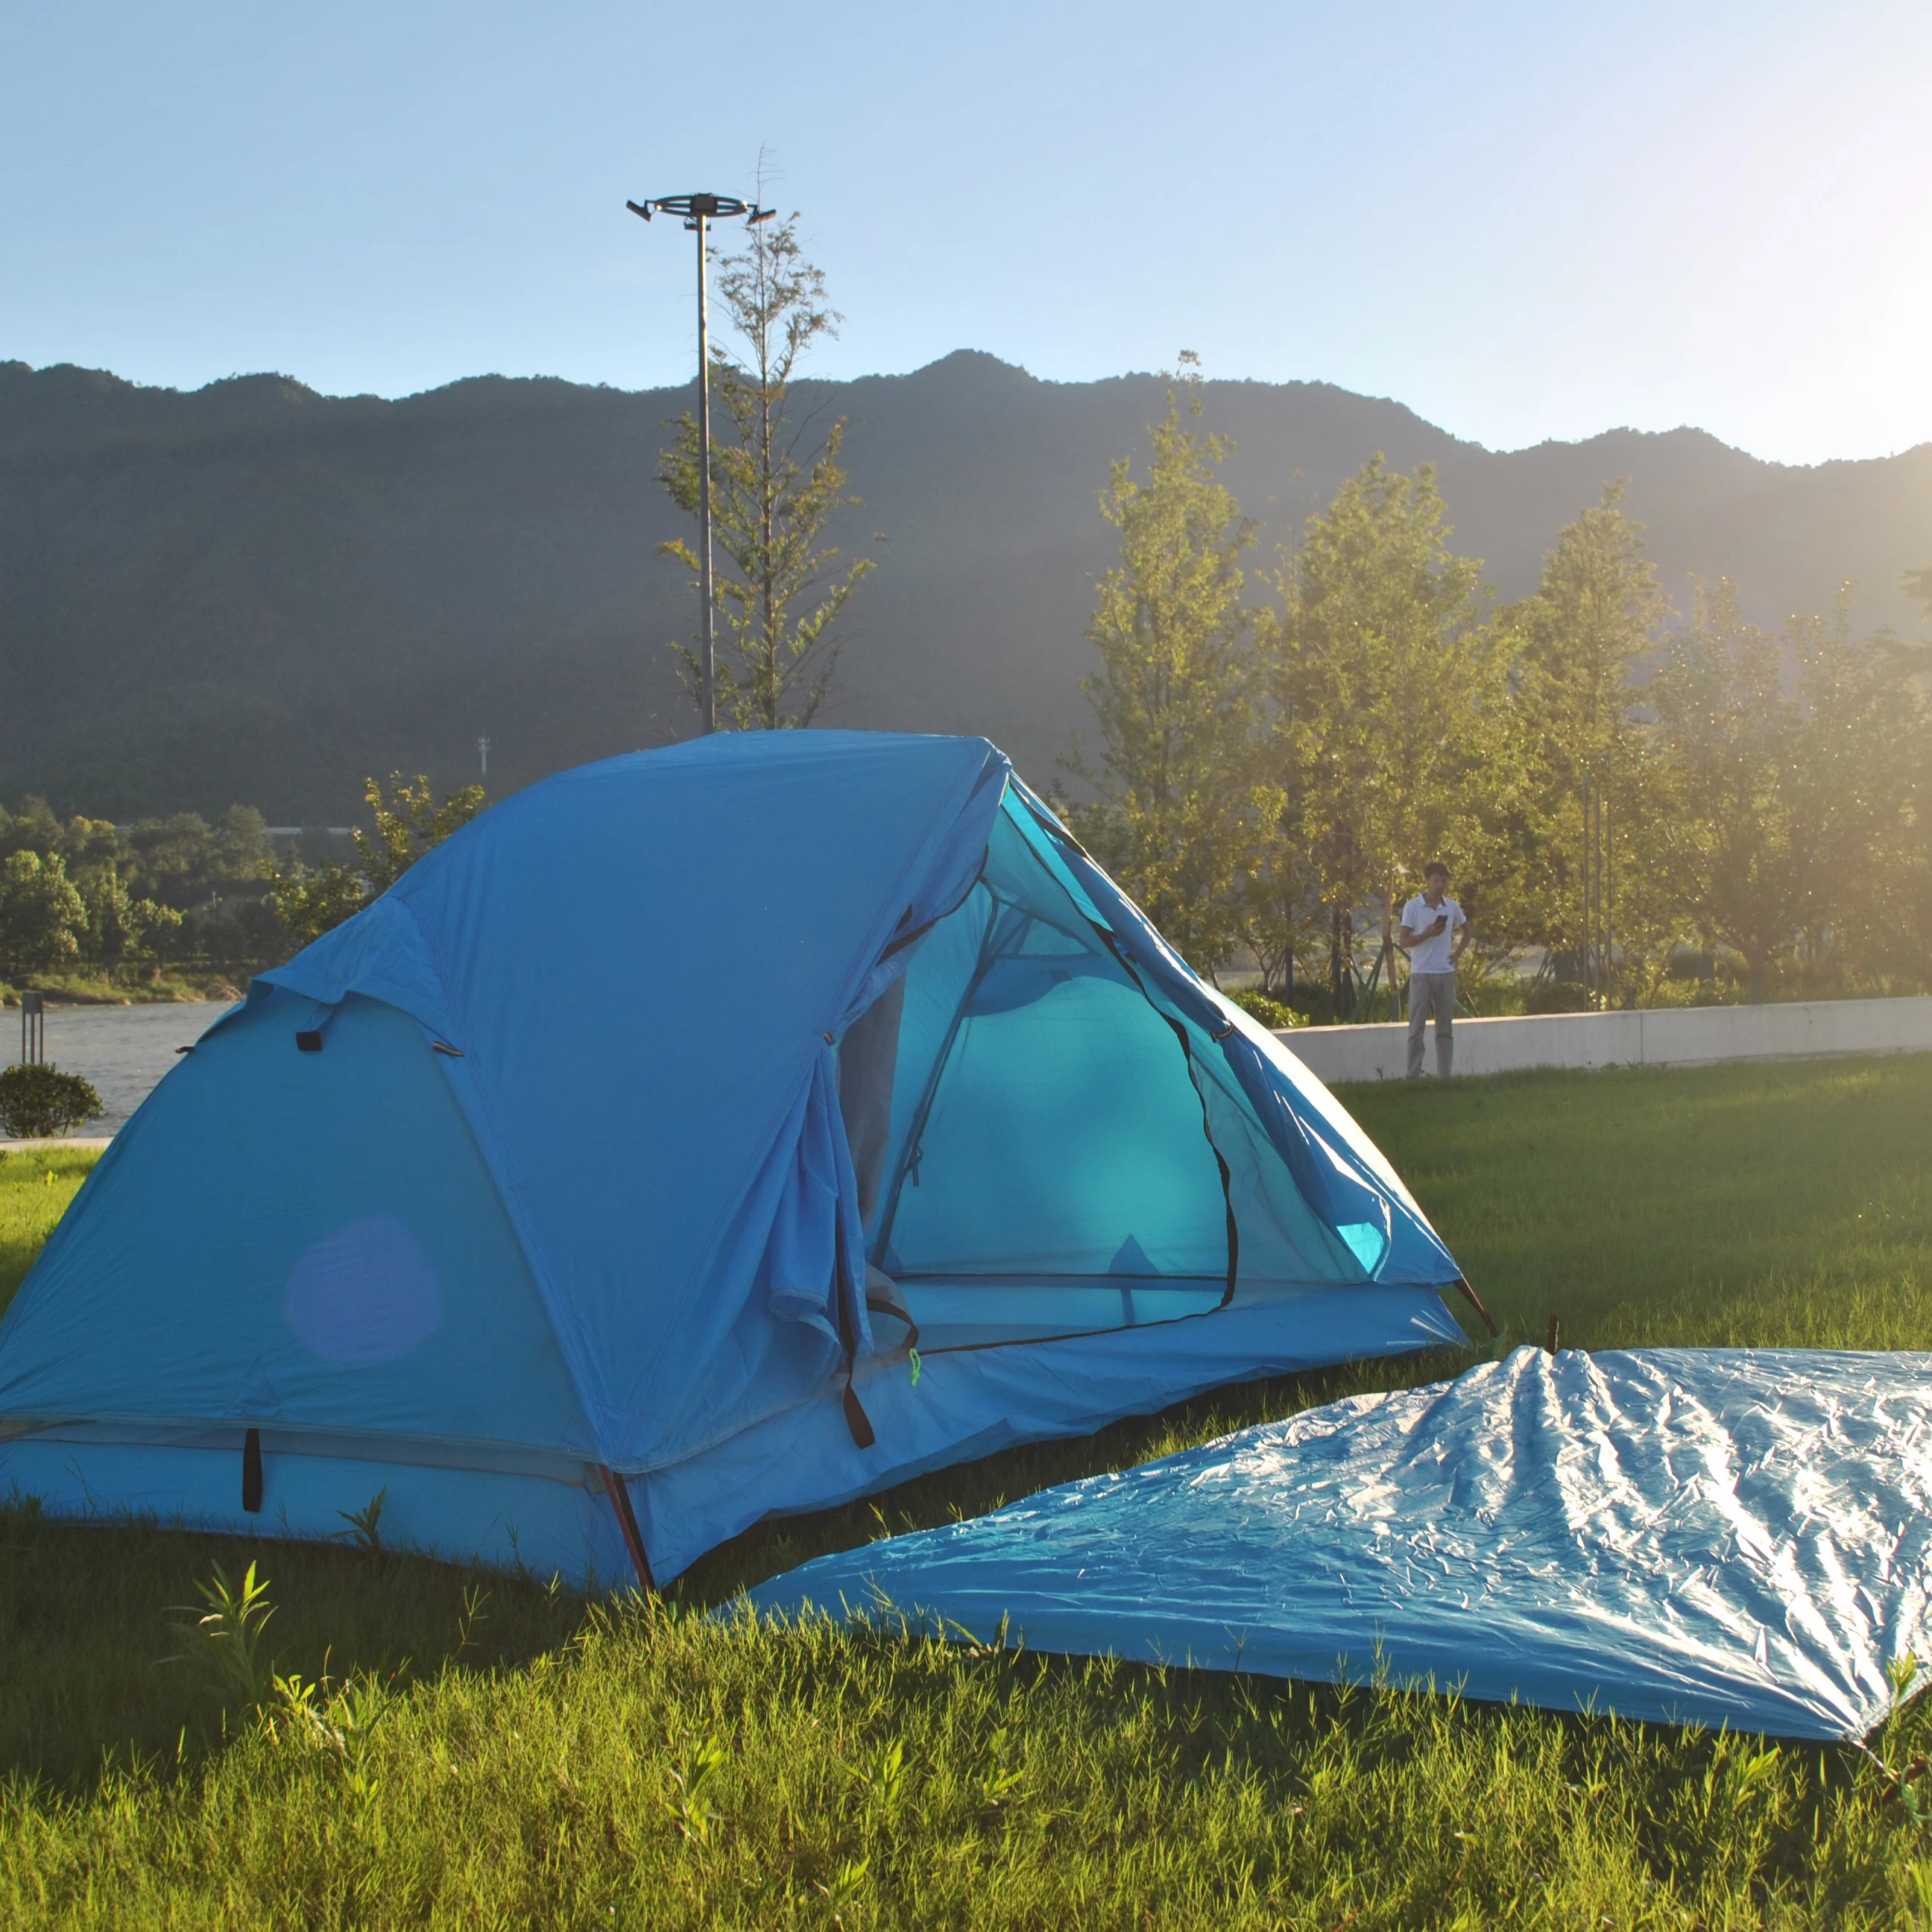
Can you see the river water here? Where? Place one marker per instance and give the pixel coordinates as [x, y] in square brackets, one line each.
[124, 1050]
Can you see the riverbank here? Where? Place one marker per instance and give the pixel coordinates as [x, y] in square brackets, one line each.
[77, 990]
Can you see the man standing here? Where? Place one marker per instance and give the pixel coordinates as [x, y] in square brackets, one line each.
[1434, 933]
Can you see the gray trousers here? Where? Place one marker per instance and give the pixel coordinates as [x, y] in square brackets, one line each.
[1427, 992]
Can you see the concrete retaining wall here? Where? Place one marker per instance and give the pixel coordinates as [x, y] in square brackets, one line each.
[1671, 1037]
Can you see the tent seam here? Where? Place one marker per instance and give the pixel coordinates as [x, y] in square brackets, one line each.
[571, 1346]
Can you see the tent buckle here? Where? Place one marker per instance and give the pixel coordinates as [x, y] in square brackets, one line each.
[857, 1420]
[251, 1472]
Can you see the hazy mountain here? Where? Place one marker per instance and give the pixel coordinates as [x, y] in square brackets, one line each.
[252, 592]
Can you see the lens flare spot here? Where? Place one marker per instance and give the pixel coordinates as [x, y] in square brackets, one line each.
[367, 1293]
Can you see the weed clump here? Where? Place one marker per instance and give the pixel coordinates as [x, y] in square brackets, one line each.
[222, 1640]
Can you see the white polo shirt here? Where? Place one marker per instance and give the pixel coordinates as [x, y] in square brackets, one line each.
[1432, 955]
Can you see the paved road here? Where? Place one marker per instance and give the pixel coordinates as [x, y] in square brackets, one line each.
[124, 1050]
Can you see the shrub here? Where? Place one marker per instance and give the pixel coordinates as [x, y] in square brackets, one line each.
[1557, 996]
[38, 1101]
[1266, 1008]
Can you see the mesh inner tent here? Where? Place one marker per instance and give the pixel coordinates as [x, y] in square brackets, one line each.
[1050, 1166]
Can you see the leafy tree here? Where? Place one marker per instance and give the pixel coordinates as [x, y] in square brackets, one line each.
[1576, 646]
[142, 887]
[236, 937]
[774, 496]
[1281, 914]
[86, 845]
[1864, 783]
[1381, 670]
[184, 862]
[310, 901]
[1800, 798]
[120, 929]
[1182, 800]
[409, 824]
[41, 916]
[33, 828]
[1743, 858]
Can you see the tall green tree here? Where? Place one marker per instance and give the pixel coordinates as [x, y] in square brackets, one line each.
[1381, 668]
[1797, 767]
[42, 919]
[147, 888]
[1742, 855]
[121, 929]
[1182, 800]
[33, 828]
[408, 822]
[1575, 744]
[775, 493]
[185, 862]
[1283, 919]
[1864, 772]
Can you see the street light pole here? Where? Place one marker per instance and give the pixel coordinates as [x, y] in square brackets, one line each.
[698, 211]
[704, 480]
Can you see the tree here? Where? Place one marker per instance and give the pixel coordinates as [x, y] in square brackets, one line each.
[149, 888]
[773, 499]
[41, 916]
[33, 828]
[1741, 852]
[1281, 914]
[1381, 669]
[1576, 752]
[1864, 785]
[1794, 797]
[184, 862]
[411, 823]
[119, 928]
[1182, 801]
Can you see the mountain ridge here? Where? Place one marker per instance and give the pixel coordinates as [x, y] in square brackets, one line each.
[281, 383]
[255, 591]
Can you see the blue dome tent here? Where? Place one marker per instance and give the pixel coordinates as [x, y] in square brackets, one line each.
[712, 1131]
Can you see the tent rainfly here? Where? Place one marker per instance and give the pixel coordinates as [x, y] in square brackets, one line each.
[711, 1132]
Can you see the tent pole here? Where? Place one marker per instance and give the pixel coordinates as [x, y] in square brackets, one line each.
[627, 1522]
[1461, 1284]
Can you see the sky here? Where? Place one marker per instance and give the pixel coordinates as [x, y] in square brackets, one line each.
[1524, 221]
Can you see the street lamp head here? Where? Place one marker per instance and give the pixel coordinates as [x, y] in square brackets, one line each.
[697, 208]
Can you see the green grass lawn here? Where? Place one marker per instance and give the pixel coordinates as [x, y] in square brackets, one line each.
[36, 1184]
[488, 1752]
